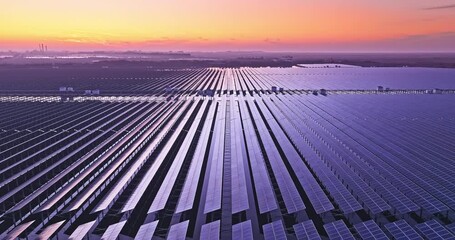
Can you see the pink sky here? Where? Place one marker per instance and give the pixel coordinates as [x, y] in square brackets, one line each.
[204, 25]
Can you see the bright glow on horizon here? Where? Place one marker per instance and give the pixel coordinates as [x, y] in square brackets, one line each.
[288, 25]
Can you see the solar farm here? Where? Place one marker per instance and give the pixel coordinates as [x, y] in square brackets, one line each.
[227, 153]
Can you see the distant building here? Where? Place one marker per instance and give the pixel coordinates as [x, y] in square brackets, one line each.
[274, 89]
[66, 89]
[437, 91]
[168, 89]
[210, 92]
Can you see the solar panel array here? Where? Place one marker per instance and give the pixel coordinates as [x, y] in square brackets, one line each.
[215, 153]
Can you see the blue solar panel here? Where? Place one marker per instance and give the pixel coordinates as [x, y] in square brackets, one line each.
[81, 231]
[388, 191]
[186, 200]
[306, 231]
[211, 230]
[402, 230]
[370, 230]
[178, 231]
[338, 230]
[164, 192]
[274, 230]
[151, 172]
[317, 197]
[334, 154]
[290, 194]
[342, 196]
[262, 184]
[113, 231]
[243, 231]
[238, 160]
[381, 137]
[52, 230]
[434, 230]
[215, 183]
[146, 231]
[451, 227]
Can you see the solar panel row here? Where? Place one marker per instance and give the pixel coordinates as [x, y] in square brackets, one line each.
[287, 187]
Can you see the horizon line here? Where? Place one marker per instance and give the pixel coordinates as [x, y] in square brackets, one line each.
[228, 51]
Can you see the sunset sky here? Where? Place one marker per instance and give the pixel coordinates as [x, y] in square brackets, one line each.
[208, 25]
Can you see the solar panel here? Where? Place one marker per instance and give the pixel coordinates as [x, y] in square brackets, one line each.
[408, 187]
[211, 230]
[389, 192]
[239, 191]
[106, 176]
[146, 231]
[164, 192]
[401, 230]
[58, 179]
[287, 187]
[18, 230]
[81, 231]
[178, 231]
[274, 230]
[317, 197]
[370, 230]
[451, 227]
[338, 230]
[51, 230]
[215, 184]
[262, 184]
[371, 200]
[243, 231]
[434, 230]
[335, 155]
[188, 194]
[150, 174]
[113, 231]
[306, 231]
[125, 179]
